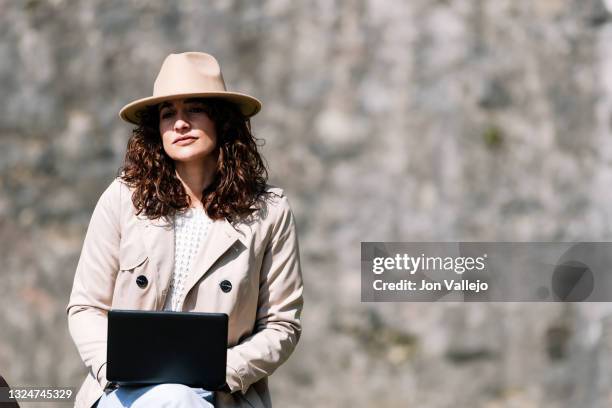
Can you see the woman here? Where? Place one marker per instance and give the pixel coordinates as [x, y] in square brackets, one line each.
[191, 225]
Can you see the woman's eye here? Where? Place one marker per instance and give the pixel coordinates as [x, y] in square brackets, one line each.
[169, 113]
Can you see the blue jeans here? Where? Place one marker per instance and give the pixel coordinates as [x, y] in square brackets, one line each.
[161, 395]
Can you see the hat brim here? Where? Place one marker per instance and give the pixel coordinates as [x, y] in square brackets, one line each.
[247, 104]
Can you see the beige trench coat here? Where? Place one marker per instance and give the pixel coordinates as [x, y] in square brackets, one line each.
[259, 256]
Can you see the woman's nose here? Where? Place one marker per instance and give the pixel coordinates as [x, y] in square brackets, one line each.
[180, 122]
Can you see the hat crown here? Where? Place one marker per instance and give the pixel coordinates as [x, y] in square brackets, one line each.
[188, 72]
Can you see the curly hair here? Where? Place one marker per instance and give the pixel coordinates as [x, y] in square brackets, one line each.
[240, 177]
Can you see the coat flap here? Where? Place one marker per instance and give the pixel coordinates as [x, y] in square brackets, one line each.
[131, 253]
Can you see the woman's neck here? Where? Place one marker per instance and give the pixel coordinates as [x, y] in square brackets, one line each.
[195, 178]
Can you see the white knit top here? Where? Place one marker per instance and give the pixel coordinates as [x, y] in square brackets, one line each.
[191, 229]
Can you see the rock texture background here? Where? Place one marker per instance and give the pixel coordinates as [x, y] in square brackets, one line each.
[384, 121]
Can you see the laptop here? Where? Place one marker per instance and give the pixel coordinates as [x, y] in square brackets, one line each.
[155, 347]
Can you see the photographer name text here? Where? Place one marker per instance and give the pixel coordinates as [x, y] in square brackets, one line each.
[447, 284]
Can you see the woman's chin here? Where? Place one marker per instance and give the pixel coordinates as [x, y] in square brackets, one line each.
[188, 156]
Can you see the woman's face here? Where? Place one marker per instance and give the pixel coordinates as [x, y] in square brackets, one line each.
[187, 133]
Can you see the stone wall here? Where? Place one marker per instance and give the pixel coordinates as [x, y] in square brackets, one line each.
[425, 120]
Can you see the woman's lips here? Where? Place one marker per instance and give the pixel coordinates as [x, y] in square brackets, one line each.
[184, 141]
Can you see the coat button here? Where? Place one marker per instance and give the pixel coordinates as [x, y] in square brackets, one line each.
[142, 281]
[226, 286]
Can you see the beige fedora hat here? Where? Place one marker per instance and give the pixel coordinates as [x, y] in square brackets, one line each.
[189, 74]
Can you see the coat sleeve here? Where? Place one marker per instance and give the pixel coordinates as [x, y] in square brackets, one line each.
[94, 281]
[277, 327]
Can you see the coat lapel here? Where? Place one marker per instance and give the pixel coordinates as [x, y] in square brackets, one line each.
[159, 238]
[221, 237]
